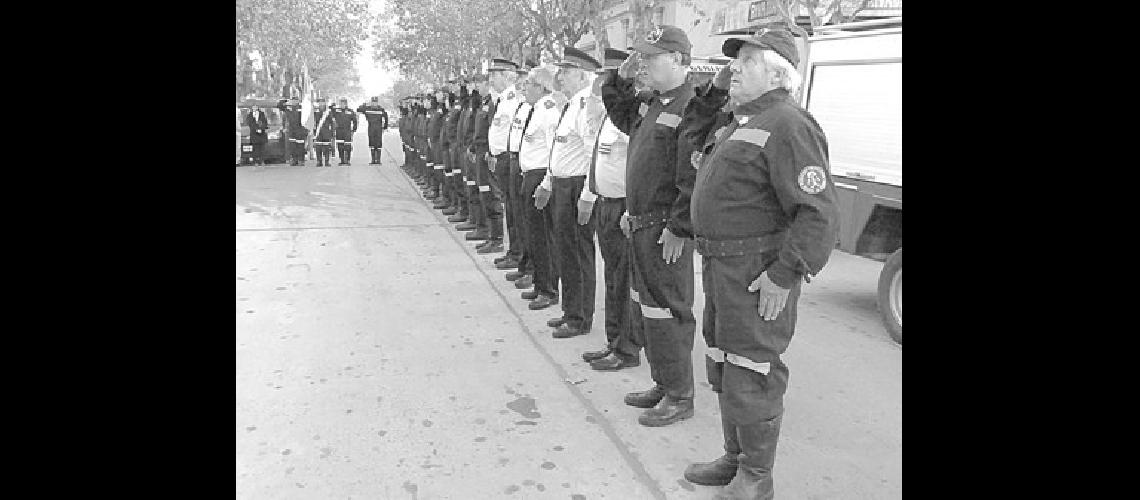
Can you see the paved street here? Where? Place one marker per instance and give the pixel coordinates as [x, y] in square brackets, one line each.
[379, 357]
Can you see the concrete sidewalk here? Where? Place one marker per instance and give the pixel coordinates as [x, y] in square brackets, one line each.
[378, 356]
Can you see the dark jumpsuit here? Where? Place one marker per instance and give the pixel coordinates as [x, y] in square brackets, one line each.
[345, 126]
[659, 182]
[763, 201]
[297, 132]
[492, 217]
[326, 131]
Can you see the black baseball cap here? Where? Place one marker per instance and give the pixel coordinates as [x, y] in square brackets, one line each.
[780, 41]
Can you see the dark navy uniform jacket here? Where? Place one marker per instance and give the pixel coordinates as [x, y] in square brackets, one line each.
[450, 128]
[658, 174]
[763, 170]
[327, 130]
[482, 125]
[437, 116]
[345, 120]
[292, 116]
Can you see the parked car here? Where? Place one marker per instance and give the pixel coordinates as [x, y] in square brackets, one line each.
[275, 148]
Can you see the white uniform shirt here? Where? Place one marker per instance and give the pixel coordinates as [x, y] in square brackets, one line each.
[539, 135]
[574, 137]
[613, 146]
[518, 119]
[500, 129]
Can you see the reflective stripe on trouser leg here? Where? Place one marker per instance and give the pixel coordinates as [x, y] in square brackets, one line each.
[666, 300]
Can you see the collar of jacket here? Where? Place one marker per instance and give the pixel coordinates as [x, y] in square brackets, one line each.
[759, 104]
[672, 93]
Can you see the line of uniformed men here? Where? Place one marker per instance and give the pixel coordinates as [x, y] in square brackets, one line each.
[333, 125]
[655, 174]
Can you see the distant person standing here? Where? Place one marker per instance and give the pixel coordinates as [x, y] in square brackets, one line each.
[377, 123]
[258, 125]
[345, 120]
[325, 132]
[291, 109]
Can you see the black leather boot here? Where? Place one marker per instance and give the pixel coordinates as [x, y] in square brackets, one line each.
[720, 471]
[668, 411]
[753, 478]
[645, 399]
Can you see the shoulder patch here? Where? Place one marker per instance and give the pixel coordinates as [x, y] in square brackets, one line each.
[812, 179]
[755, 136]
[668, 119]
[549, 104]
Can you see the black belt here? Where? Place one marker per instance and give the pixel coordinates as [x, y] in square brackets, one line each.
[726, 248]
[610, 200]
[648, 220]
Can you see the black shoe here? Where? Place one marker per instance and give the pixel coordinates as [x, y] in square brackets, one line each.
[566, 330]
[514, 275]
[645, 399]
[524, 282]
[719, 472]
[529, 295]
[507, 264]
[589, 356]
[556, 322]
[669, 411]
[439, 204]
[541, 302]
[454, 216]
[478, 234]
[615, 361]
[451, 211]
[492, 247]
[466, 226]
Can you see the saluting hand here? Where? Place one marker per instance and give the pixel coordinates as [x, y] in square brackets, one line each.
[541, 197]
[629, 67]
[723, 78]
[671, 246]
[773, 297]
[585, 210]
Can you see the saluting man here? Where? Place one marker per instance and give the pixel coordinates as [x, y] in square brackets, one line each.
[561, 188]
[765, 219]
[659, 182]
[377, 122]
[291, 110]
[345, 122]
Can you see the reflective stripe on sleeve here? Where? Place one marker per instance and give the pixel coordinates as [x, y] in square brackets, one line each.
[634, 296]
[484, 189]
[470, 183]
[438, 167]
[655, 312]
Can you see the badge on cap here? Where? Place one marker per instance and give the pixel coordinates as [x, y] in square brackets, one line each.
[666, 100]
[655, 35]
[696, 158]
[812, 179]
[742, 120]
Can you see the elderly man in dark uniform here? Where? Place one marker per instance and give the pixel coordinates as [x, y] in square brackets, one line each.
[377, 122]
[659, 182]
[765, 220]
[491, 229]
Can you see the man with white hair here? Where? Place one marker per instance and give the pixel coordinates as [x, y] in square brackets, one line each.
[565, 179]
[765, 219]
[538, 135]
[659, 181]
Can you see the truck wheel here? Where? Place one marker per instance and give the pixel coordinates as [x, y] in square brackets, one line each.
[890, 295]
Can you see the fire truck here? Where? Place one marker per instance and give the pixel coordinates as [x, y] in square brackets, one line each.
[853, 88]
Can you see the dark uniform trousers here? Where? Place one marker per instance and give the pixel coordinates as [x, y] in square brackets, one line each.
[515, 206]
[458, 189]
[664, 294]
[751, 402]
[573, 251]
[622, 315]
[492, 214]
[498, 203]
[471, 187]
[539, 239]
